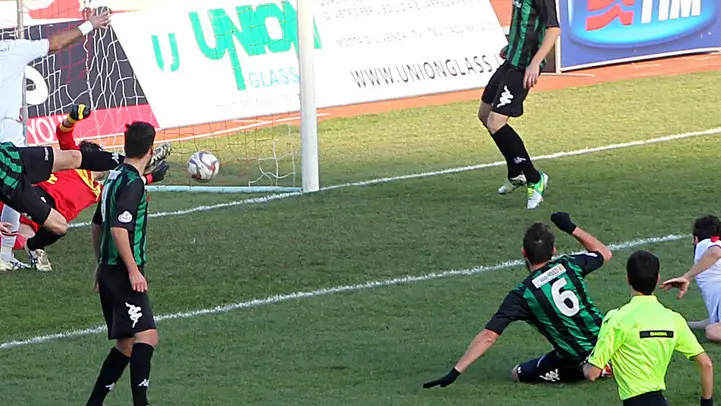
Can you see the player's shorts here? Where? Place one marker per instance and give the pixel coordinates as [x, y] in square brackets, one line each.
[12, 131]
[37, 166]
[505, 91]
[550, 368]
[45, 197]
[655, 398]
[126, 311]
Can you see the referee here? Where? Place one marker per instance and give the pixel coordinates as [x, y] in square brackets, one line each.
[119, 232]
[640, 337]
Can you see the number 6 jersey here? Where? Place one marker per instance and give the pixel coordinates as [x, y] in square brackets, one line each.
[554, 299]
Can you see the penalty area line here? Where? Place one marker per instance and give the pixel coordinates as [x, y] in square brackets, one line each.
[404, 280]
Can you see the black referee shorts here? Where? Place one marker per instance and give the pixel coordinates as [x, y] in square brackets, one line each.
[37, 167]
[126, 311]
[655, 398]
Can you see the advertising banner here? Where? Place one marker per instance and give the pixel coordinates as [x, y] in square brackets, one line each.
[230, 59]
[602, 32]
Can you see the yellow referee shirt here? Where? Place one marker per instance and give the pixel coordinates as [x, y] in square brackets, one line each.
[639, 340]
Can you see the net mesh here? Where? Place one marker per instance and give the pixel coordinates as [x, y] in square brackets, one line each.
[259, 151]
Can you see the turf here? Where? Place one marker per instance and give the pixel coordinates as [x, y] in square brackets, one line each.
[377, 346]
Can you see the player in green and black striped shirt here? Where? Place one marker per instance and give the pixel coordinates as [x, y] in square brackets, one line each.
[534, 30]
[22, 167]
[119, 232]
[554, 300]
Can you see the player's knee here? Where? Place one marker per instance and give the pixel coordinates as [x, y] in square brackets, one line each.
[56, 223]
[514, 374]
[149, 337]
[125, 346]
[495, 122]
[713, 332]
[66, 159]
[57, 226]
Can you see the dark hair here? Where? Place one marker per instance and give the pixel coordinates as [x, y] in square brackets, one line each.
[706, 227]
[642, 269]
[538, 243]
[87, 146]
[139, 138]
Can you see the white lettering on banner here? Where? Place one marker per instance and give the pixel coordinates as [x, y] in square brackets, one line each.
[41, 130]
[238, 58]
[670, 9]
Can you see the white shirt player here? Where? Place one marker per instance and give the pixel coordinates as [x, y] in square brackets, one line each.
[709, 281]
[15, 55]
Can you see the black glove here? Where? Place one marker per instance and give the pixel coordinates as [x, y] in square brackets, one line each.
[706, 402]
[563, 222]
[79, 112]
[445, 381]
[158, 174]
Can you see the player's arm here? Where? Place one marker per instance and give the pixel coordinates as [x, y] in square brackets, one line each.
[549, 17]
[688, 345]
[513, 308]
[708, 259]
[609, 341]
[65, 38]
[126, 204]
[96, 231]
[598, 252]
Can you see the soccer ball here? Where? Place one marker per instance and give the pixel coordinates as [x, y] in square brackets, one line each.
[203, 166]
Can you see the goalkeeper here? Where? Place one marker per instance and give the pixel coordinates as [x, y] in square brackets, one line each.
[72, 191]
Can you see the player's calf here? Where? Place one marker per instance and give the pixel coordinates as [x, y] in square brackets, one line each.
[145, 343]
[111, 371]
[713, 332]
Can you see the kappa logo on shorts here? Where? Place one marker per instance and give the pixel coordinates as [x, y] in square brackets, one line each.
[551, 376]
[125, 217]
[145, 382]
[47, 154]
[506, 97]
[134, 312]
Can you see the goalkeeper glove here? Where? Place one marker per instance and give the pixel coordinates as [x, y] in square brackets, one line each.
[79, 112]
[444, 381]
[563, 222]
[158, 173]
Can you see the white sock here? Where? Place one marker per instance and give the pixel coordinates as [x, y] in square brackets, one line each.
[13, 217]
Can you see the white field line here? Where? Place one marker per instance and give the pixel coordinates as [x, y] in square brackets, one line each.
[404, 280]
[268, 198]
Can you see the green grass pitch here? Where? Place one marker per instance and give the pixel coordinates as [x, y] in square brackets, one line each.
[378, 345]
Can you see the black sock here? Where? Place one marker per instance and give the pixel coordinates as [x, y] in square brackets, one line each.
[140, 372]
[42, 239]
[100, 160]
[517, 158]
[513, 169]
[111, 371]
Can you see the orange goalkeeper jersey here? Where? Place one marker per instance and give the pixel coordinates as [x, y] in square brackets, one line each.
[73, 190]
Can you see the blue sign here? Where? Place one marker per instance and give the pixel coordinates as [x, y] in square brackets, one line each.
[600, 32]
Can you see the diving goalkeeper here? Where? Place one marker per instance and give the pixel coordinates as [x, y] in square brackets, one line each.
[72, 191]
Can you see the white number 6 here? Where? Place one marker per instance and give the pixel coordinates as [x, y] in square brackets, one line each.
[561, 299]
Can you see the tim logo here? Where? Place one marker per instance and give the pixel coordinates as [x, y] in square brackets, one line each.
[634, 23]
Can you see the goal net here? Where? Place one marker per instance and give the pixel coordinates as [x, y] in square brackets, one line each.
[191, 74]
